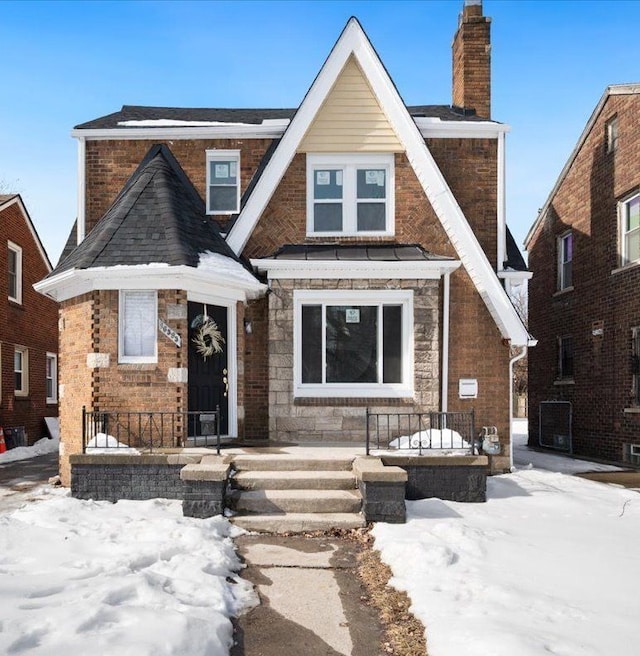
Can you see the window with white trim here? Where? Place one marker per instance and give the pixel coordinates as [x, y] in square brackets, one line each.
[51, 377]
[635, 365]
[350, 194]
[223, 181]
[565, 261]
[354, 344]
[138, 326]
[630, 229]
[21, 371]
[14, 272]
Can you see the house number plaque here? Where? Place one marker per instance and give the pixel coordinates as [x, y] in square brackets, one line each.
[169, 332]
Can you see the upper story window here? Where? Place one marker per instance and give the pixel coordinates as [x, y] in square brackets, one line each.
[137, 326]
[223, 181]
[14, 272]
[52, 377]
[350, 195]
[353, 344]
[635, 365]
[630, 229]
[21, 371]
[611, 134]
[565, 261]
[565, 358]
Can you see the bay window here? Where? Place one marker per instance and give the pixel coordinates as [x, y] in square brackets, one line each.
[350, 194]
[353, 343]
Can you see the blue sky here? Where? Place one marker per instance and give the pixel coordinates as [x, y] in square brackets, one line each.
[65, 63]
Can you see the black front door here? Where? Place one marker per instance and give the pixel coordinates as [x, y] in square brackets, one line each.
[208, 371]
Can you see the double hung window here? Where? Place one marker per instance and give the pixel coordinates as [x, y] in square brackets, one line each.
[565, 261]
[52, 377]
[353, 343]
[630, 229]
[350, 194]
[635, 365]
[21, 371]
[565, 358]
[138, 321]
[14, 272]
[223, 181]
[611, 130]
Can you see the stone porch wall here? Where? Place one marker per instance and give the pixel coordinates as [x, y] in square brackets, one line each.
[343, 419]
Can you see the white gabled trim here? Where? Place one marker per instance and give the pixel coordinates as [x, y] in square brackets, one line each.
[76, 282]
[501, 203]
[353, 41]
[81, 221]
[435, 128]
[612, 90]
[17, 200]
[354, 269]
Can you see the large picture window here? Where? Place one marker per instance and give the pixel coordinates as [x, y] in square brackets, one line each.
[138, 321]
[630, 229]
[350, 194]
[353, 344]
[223, 181]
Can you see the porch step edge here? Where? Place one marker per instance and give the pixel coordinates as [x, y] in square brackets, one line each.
[298, 522]
[294, 480]
[273, 462]
[295, 501]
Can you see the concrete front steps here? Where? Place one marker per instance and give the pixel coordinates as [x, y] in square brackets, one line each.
[281, 493]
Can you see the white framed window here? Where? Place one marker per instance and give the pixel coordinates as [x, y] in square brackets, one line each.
[350, 194]
[611, 134]
[14, 272]
[565, 261]
[353, 343]
[138, 326]
[21, 371]
[635, 365]
[223, 181]
[630, 229]
[51, 377]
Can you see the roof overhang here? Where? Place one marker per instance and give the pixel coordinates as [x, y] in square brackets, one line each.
[277, 268]
[75, 282]
[436, 128]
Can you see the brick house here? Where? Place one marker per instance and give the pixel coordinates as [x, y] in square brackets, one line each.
[584, 300]
[28, 330]
[353, 252]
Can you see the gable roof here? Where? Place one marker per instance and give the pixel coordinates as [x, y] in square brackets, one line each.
[611, 90]
[158, 217]
[6, 200]
[354, 42]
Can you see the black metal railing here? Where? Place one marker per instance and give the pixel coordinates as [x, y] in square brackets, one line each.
[421, 431]
[115, 430]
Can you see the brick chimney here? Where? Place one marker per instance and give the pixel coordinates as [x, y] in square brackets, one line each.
[471, 51]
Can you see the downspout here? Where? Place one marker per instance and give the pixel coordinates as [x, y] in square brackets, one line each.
[81, 228]
[501, 204]
[444, 394]
[513, 360]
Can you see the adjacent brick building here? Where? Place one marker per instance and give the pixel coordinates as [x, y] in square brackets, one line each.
[353, 251]
[584, 298]
[28, 329]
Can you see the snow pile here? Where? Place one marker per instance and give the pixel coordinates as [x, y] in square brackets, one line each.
[549, 565]
[431, 439]
[134, 578]
[103, 443]
[40, 448]
[226, 267]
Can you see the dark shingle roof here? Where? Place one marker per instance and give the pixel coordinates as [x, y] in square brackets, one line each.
[247, 116]
[514, 259]
[371, 252]
[157, 217]
[6, 197]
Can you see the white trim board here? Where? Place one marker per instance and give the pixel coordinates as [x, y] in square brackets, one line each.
[353, 41]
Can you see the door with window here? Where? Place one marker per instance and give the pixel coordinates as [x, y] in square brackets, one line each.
[208, 362]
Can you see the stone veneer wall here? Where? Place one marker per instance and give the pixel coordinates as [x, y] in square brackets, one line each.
[343, 419]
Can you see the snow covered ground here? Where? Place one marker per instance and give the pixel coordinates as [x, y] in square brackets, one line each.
[134, 578]
[549, 565]
[40, 448]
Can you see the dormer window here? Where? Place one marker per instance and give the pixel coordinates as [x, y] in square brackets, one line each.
[223, 181]
[350, 195]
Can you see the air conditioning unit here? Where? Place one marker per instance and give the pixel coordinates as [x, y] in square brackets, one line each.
[633, 453]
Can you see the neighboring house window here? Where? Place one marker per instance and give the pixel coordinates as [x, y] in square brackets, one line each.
[353, 343]
[21, 371]
[611, 128]
[630, 229]
[635, 370]
[565, 357]
[565, 259]
[350, 194]
[52, 377]
[14, 272]
[138, 321]
[223, 181]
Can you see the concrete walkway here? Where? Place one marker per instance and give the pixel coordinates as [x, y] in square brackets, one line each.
[21, 476]
[311, 599]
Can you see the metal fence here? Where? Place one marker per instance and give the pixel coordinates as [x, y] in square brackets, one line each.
[421, 431]
[149, 430]
[555, 425]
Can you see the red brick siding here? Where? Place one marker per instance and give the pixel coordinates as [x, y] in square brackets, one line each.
[32, 324]
[586, 203]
